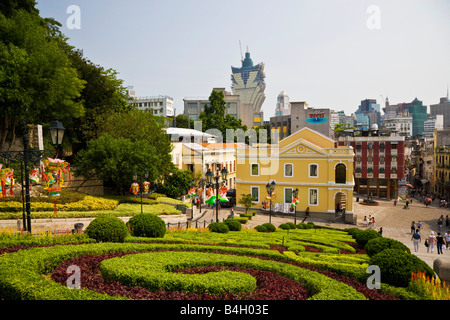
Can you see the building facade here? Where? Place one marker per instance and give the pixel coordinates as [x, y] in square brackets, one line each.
[433, 123]
[306, 160]
[197, 152]
[193, 106]
[419, 115]
[248, 83]
[158, 105]
[399, 122]
[283, 105]
[302, 116]
[379, 163]
[442, 108]
[441, 181]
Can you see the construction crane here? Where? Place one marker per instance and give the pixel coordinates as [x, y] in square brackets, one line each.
[240, 46]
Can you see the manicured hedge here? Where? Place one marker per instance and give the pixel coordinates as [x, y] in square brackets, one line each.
[233, 224]
[379, 244]
[21, 272]
[147, 225]
[107, 229]
[88, 203]
[363, 236]
[396, 266]
[219, 227]
[153, 271]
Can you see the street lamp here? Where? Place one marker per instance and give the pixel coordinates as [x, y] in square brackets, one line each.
[209, 178]
[56, 131]
[295, 195]
[270, 187]
[201, 185]
[141, 188]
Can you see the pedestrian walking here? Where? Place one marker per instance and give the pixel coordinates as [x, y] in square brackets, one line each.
[395, 202]
[446, 221]
[413, 227]
[440, 222]
[431, 242]
[380, 231]
[419, 224]
[447, 239]
[439, 243]
[373, 222]
[416, 238]
[307, 212]
[365, 221]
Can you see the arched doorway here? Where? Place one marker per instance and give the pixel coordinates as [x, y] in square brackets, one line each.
[340, 201]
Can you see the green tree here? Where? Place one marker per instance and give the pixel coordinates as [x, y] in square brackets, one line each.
[142, 127]
[103, 94]
[182, 121]
[37, 80]
[247, 201]
[177, 183]
[213, 116]
[114, 160]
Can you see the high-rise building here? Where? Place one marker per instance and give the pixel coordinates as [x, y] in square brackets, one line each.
[283, 105]
[433, 123]
[419, 114]
[443, 108]
[368, 113]
[248, 83]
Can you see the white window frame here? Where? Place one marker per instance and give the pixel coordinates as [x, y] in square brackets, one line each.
[284, 172]
[251, 192]
[251, 169]
[309, 196]
[309, 170]
[292, 194]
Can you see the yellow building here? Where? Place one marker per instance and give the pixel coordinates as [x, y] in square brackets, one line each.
[307, 160]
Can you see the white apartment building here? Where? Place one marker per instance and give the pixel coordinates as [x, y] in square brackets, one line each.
[436, 122]
[159, 105]
[400, 123]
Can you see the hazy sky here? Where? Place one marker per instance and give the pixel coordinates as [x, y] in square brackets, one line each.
[330, 53]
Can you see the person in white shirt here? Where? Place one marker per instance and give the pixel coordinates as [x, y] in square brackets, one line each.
[447, 239]
[431, 242]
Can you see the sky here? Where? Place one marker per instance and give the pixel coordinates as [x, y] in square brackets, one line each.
[329, 53]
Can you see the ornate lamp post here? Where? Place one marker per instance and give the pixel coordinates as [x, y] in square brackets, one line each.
[56, 131]
[209, 178]
[201, 185]
[135, 178]
[270, 187]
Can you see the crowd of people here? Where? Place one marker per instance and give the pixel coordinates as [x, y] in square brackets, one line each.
[432, 241]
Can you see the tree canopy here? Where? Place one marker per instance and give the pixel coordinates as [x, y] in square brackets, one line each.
[37, 80]
[214, 115]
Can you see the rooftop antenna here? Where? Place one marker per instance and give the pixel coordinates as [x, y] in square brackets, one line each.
[242, 58]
